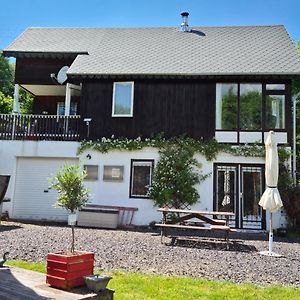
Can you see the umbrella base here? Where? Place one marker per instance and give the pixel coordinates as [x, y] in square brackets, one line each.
[268, 253]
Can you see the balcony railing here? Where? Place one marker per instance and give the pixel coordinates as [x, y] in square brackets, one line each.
[39, 127]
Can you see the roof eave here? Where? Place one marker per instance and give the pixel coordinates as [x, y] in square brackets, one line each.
[39, 54]
[185, 75]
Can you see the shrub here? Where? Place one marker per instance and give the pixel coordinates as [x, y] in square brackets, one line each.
[175, 177]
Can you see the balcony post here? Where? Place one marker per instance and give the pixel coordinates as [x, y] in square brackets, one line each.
[16, 106]
[68, 100]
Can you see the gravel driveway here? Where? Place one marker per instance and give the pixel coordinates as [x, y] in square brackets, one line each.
[142, 251]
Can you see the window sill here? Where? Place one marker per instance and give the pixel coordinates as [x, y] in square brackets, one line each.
[122, 116]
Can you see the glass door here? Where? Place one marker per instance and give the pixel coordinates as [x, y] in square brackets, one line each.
[226, 190]
[237, 189]
[251, 190]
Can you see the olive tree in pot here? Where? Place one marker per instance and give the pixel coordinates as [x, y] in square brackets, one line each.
[66, 269]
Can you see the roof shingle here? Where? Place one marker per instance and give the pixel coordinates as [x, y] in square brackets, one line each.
[238, 50]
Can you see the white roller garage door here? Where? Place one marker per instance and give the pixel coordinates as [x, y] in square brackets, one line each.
[32, 199]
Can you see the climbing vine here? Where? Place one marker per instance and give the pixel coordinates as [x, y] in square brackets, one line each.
[210, 149]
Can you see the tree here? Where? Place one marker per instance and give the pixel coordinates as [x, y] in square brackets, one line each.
[175, 177]
[6, 76]
[7, 71]
[72, 194]
[6, 104]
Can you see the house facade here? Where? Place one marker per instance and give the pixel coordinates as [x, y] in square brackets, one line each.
[232, 84]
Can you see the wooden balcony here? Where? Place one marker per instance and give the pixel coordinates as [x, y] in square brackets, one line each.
[39, 127]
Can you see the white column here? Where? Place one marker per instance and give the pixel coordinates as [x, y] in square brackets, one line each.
[16, 107]
[68, 100]
[294, 165]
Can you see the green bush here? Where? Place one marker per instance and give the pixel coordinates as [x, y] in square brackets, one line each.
[175, 177]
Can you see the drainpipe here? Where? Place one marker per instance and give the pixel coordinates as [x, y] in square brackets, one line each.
[294, 99]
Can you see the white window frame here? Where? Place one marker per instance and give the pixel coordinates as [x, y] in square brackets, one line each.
[131, 102]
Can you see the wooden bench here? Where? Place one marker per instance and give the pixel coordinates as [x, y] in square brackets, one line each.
[211, 227]
[125, 214]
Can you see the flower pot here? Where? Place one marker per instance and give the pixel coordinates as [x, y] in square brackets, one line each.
[72, 218]
[66, 270]
[97, 282]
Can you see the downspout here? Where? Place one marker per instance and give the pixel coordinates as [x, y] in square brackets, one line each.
[294, 99]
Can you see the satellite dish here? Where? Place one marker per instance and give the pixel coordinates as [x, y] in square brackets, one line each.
[62, 74]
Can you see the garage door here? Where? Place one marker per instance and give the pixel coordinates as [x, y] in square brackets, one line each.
[32, 199]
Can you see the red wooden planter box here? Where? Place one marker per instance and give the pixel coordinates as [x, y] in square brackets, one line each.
[66, 271]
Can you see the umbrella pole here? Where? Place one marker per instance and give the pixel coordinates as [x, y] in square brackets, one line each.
[271, 236]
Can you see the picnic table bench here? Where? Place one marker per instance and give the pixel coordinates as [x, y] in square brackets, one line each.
[194, 220]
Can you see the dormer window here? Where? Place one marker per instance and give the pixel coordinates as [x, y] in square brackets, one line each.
[122, 103]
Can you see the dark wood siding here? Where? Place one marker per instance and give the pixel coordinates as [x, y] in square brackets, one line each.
[38, 70]
[174, 107]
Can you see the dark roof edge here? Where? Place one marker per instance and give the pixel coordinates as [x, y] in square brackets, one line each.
[186, 76]
[36, 54]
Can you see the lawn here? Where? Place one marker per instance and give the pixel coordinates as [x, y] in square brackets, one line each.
[129, 286]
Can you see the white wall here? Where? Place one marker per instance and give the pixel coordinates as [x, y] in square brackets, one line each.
[113, 193]
[117, 193]
[10, 150]
[248, 137]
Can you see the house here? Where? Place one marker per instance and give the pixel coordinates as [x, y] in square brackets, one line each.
[228, 83]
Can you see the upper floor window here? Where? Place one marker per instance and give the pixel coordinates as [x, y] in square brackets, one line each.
[122, 104]
[275, 111]
[275, 86]
[245, 107]
[250, 106]
[226, 106]
[61, 108]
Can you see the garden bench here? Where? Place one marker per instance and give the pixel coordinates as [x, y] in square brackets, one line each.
[124, 214]
[184, 221]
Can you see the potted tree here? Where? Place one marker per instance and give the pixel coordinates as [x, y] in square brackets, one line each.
[66, 269]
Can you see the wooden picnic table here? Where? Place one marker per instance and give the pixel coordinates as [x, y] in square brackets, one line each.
[203, 220]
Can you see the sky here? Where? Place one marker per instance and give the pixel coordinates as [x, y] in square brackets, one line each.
[17, 15]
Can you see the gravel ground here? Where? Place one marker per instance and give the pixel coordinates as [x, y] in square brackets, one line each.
[142, 251]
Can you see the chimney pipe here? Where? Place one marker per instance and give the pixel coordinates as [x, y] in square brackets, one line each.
[184, 27]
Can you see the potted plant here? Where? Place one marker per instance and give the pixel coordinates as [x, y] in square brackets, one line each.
[66, 269]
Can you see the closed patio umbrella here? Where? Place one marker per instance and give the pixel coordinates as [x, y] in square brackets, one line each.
[271, 199]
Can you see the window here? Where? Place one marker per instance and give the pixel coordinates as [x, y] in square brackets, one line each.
[61, 108]
[141, 175]
[122, 104]
[91, 172]
[113, 173]
[275, 111]
[274, 86]
[226, 106]
[250, 106]
[245, 107]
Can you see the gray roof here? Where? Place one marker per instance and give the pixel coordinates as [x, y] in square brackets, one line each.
[237, 50]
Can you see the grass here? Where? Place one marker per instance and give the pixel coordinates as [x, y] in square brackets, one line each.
[38, 267]
[129, 286]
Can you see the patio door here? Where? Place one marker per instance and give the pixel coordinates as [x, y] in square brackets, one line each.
[237, 189]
